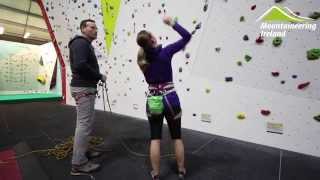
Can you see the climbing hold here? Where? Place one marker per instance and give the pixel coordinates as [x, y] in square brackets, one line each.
[198, 26]
[242, 19]
[135, 106]
[41, 61]
[194, 21]
[253, 7]
[188, 89]
[315, 15]
[246, 38]
[294, 76]
[265, 112]
[283, 82]
[259, 40]
[317, 117]
[194, 114]
[277, 41]
[144, 25]
[229, 79]
[187, 55]
[41, 79]
[278, 1]
[313, 54]
[180, 69]
[208, 91]
[239, 63]
[241, 116]
[303, 85]
[163, 5]
[275, 74]
[218, 49]
[247, 58]
[297, 13]
[205, 7]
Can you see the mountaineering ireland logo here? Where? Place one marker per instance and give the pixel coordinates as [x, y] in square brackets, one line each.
[282, 20]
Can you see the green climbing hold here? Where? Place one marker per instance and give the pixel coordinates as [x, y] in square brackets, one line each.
[317, 118]
[247, 58]
[313, 54]
[242, 19]
[277, 41]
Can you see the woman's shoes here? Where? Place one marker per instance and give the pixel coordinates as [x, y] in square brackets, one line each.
[155, 176]
[181, 175]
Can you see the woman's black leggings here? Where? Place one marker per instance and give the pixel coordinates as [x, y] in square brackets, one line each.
[172, 113]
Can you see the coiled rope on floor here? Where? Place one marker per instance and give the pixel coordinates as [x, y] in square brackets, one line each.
[59, 151]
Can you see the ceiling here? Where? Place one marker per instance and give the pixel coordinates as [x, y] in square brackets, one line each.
[21, 16]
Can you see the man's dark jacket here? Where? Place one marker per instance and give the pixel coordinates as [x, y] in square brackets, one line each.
[83, 62]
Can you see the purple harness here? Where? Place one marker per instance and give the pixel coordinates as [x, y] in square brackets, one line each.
[170, 98]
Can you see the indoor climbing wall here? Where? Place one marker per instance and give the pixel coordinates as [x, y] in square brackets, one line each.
[259, 89]
[127, 86]
[231, 82]
[26, 68]
[65, 17]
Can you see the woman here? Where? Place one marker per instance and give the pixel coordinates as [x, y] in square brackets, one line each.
[163, 101]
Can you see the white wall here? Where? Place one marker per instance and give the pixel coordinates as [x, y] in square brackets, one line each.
[253, 87]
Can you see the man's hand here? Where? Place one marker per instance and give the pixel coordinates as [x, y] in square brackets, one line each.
[168, 20]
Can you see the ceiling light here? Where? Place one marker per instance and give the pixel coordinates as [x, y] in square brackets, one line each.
[1, 30]
[26, 35]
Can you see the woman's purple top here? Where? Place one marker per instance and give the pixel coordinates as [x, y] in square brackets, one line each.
[160, 70]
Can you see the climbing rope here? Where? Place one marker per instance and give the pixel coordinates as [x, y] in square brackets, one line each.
[59, 151]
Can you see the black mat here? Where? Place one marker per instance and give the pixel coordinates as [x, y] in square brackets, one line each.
[43, 124]
[29, 165]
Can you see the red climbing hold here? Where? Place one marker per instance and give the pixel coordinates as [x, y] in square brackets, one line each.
[265, 112]
[275, 74]
[303, 85]
[253, 7]
[259, 40]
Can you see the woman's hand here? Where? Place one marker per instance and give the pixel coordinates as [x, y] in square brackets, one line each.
[168, 20]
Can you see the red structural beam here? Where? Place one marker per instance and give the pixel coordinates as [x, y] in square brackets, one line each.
[54, 41]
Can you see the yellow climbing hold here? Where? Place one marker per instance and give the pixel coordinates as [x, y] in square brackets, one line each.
[41, 79]
[241, 116]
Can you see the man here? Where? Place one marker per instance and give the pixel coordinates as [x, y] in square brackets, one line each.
[85, 76]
